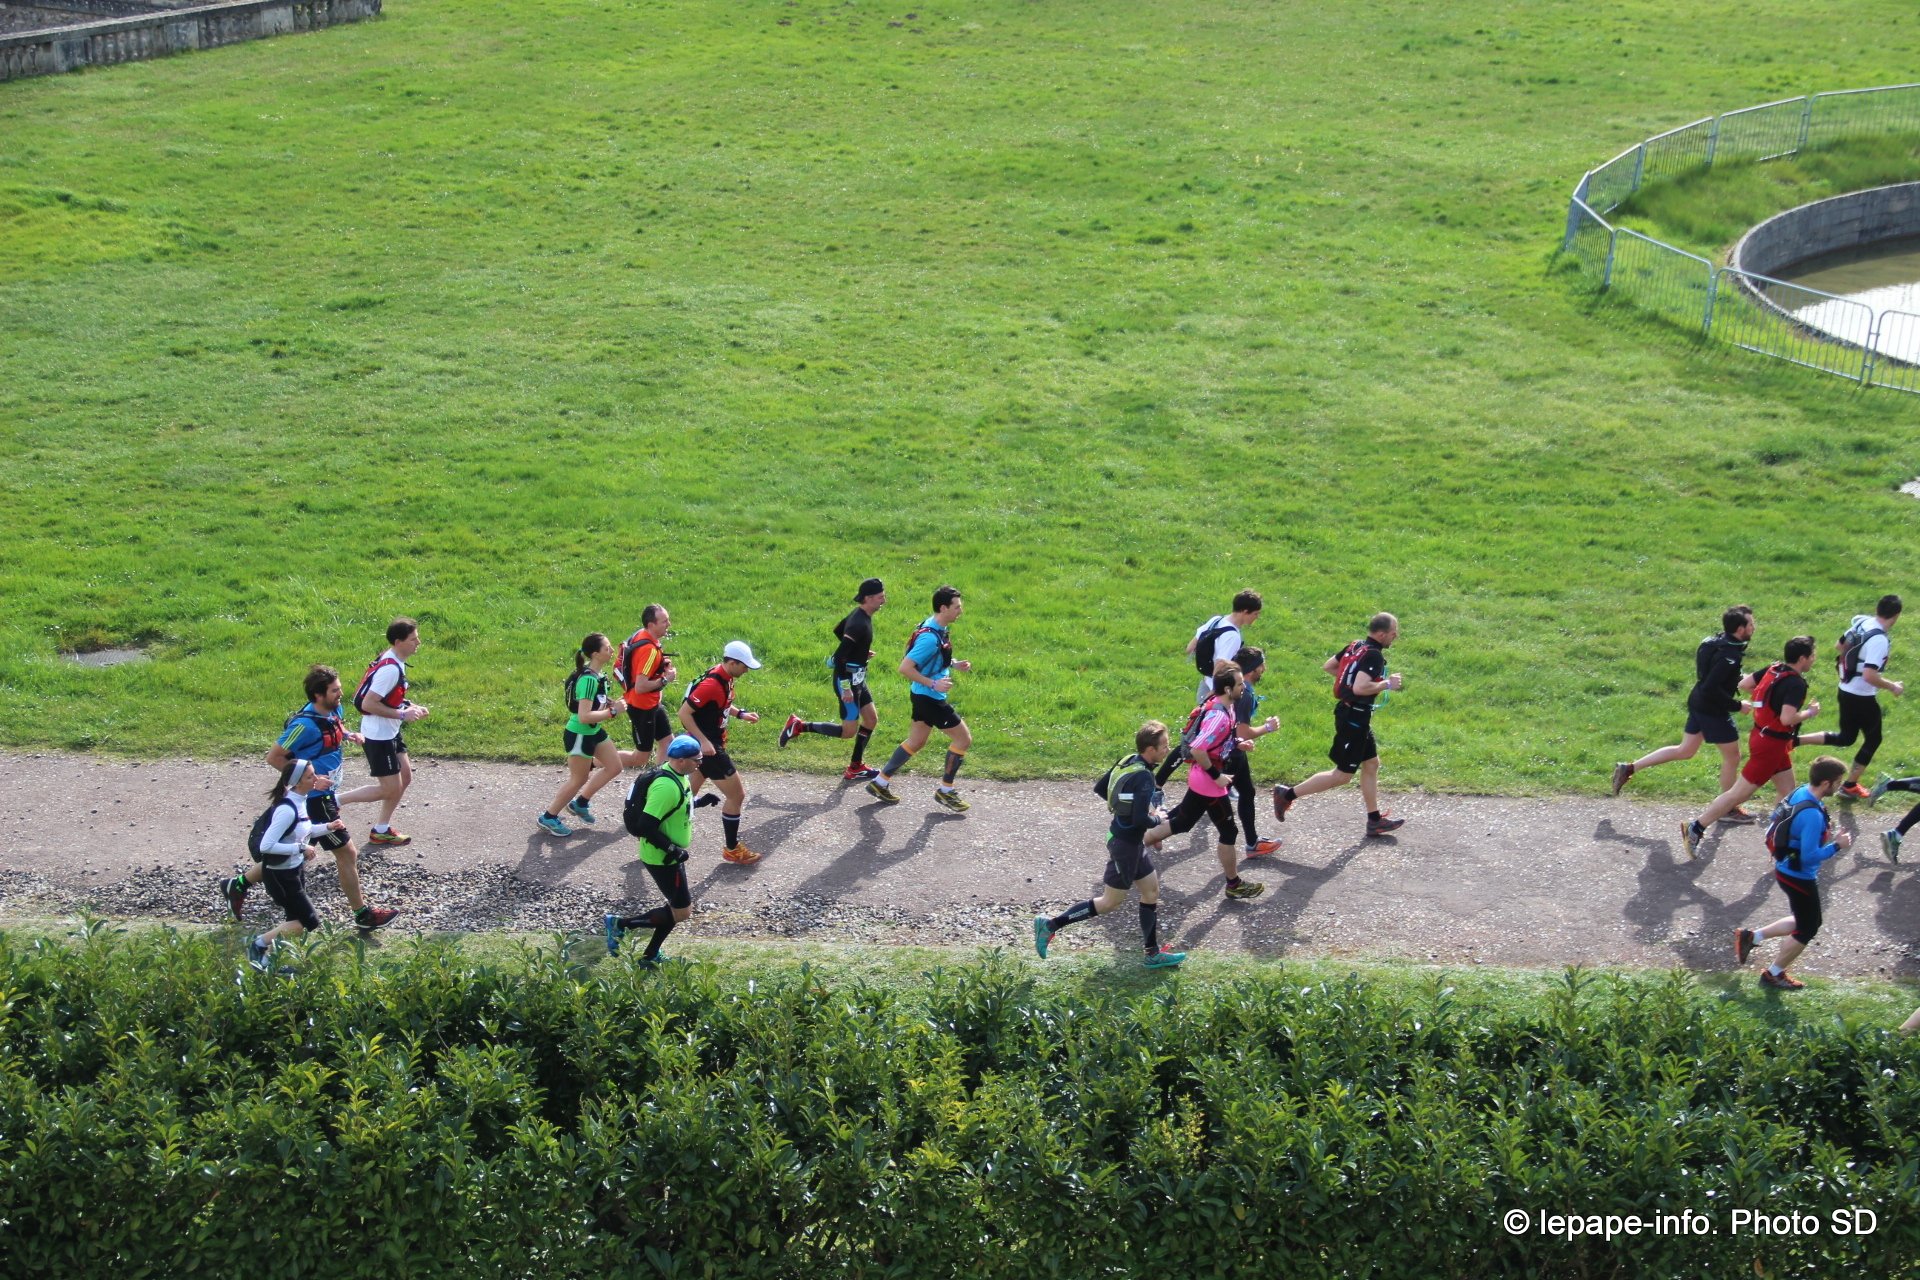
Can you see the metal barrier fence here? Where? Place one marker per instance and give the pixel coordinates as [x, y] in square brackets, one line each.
[1769, 317]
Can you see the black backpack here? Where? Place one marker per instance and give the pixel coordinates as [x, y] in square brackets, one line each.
[1779, 833]
[599, 691]
[1204, 643]
[636, 806]
[1852, 641]
[260, 824]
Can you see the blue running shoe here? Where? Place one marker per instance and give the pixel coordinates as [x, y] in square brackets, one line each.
[553, 826]
[1166, 958]
[614, 933]
[258, 951]
[581, 809]
[1042, 935]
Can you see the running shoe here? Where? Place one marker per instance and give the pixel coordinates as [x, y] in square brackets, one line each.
[1621, 772]
[1246, 889]
[1165, 958]
[235, 892]
[1042, 935]
[948, 798]
[610, 924]
[1890, 845]
[581, 809]
[258, 951]
[860, 773]
[1690, 839]
[881, 791]
[1781, 981]
[790, 729]
[371, 918]
[740, 856]
[1384, 825]
[1854, 791]
[1263, 848]
[1283, 799]
[1739, 818]
[654, 961]
[553, 825]
[1742, 945]
[388, 837]
[1880, 788]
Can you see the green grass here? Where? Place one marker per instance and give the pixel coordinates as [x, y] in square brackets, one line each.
[517, 317]
[1706, 211]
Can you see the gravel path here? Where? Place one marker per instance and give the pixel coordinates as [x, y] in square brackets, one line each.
[1468, 880]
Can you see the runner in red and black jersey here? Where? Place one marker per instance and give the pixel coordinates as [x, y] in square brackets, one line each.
[849, 662]
[1779, 694]
[704, 714]
[1360, 676]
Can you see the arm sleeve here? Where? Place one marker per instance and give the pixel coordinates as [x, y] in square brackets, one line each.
[1808, 828]
[1140, 806]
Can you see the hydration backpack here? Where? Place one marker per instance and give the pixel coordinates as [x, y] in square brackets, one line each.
[1109, 786]
[393, 699]
[636, 806]
[1852, 641]
[258, 833]
[573, 681]
[630, 653]
[944, 654]
[1346, 668]
[1209, 636]
[1779, 834]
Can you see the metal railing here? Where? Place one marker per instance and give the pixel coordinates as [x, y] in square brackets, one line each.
[1754, 313]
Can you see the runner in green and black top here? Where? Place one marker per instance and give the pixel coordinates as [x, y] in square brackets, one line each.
[1134, 800]
[849, 662]
[663, 818]
[585, 737]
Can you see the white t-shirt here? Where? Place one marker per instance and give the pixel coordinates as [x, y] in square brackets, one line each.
[1225, 645]
[382, 728]
[1872, 654]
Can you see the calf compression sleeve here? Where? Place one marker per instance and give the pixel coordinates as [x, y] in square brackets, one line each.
[954, 761]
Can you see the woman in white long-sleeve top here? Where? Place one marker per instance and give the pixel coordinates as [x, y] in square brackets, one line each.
[285, 846]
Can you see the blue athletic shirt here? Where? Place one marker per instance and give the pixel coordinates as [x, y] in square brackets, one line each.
[1808, 830]
[303, 740]
[925, 653]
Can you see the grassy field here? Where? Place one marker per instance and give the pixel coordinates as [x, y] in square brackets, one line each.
[517, 317]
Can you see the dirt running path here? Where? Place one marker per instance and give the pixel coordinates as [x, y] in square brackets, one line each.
[1468, 880]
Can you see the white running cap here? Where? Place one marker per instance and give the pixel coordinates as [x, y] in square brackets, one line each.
[740, 653]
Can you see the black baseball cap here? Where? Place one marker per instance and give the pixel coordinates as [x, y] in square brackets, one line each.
[871, 587]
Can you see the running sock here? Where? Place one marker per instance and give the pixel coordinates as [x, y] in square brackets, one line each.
[1907, 823]
[897, 761]
[829, 728]
[1698, 830]
[860, 746]
[382, 827]
[1775, 970]
[731, 822]
[660, 932]
[1150, 925]
[954, 760]
[1373, 815]
[1078, 911]
[1233, 882]
[650, 920]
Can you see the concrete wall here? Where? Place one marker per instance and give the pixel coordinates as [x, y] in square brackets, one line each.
[153, 35]
[1842, 222]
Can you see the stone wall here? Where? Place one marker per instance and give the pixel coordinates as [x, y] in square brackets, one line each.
[164, 31]
[1842, 222]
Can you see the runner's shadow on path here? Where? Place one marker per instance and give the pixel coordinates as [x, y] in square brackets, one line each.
[769, 836]
[867, 859]
[1275, 913]
[1668, 882]
[549, 859]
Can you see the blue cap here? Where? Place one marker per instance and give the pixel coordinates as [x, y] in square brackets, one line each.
[684, 746]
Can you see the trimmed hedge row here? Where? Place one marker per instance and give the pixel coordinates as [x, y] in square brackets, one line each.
[164, 1111]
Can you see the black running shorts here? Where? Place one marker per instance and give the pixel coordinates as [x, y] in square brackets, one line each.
[383, 758]
[672, 882]
[582, 744]
[649, 726]
[851, 693]
[1715, 729]
[1127, 861]
[322, 808]
[717, 767]
[1353, 743]
[1804, 897]
[289, 890]
[1193, 806]
[935, 712]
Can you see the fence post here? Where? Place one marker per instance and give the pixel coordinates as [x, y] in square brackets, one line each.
[1713, 141]
[1573, 214]
[1873, 349]
[1639, 166]
[1806, 120]
[1606, 276]
[1713, 291]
